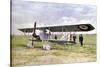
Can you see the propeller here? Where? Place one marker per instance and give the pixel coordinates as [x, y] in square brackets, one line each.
[34, 30]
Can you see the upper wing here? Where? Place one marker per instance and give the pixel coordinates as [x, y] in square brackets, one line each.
[63, 28]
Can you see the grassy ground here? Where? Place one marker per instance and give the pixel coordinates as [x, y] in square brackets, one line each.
[60, 54]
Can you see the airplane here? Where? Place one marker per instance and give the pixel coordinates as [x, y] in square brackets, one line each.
[45, 32]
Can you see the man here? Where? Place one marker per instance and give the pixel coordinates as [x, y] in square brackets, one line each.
[55, 37]
[81, 39]
[74, 38]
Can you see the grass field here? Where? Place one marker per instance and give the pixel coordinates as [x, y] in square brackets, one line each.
[60, 54]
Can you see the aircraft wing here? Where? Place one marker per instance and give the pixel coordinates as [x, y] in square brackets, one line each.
[63, 28]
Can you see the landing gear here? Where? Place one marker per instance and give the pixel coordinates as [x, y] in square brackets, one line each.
[30, 45]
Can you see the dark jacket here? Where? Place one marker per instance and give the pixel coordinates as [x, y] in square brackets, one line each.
[80, 37]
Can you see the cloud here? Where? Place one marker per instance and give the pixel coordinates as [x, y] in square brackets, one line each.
[25, 13]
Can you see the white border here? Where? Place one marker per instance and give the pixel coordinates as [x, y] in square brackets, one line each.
[5, 32]
[93, 2]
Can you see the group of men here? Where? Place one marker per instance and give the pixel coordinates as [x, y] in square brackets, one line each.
[73, 38]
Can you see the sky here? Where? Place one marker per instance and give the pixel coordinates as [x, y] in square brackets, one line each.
[25, 13]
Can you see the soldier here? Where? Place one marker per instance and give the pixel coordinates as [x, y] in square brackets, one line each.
[56, 37]
[81, 39]
[74, 38]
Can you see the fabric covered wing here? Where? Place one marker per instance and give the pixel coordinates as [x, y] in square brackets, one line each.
[63, 28]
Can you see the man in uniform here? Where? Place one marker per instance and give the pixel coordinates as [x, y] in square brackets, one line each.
[81, 39]
[74, 38]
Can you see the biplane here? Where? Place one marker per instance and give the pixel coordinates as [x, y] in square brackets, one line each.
[45, 33]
